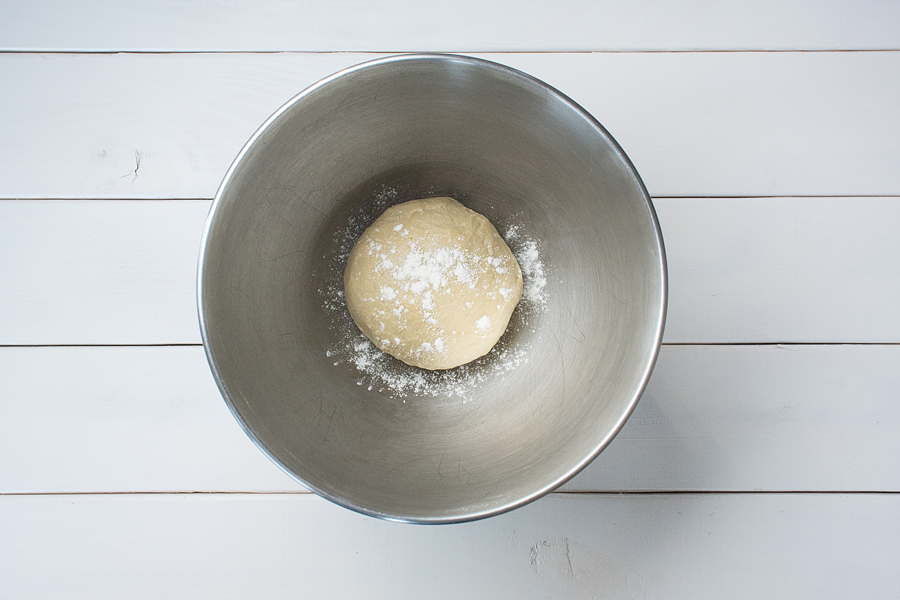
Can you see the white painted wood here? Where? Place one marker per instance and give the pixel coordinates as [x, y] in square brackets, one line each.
[740, 270]
[467, 25]
[727, 418]
[732, 418]
[695, 124]
[782, 269]
[289, 546]
[99, 271]
[749, 124]
[157, 126]
[760, 418]
[122, 419]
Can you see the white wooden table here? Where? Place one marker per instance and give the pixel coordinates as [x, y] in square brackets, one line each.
[764, 458]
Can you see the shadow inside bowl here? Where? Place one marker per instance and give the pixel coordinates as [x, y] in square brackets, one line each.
[475, 440]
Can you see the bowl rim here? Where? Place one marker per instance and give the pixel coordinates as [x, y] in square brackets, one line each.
[463, 516]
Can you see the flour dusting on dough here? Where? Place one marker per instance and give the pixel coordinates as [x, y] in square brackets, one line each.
[379, 372]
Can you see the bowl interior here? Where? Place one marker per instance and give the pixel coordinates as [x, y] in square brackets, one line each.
[503, 144]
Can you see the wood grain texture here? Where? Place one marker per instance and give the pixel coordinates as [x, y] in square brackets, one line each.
[289, 546]
[741, 270]
[720, 418]
[467, 25]
[694, 124]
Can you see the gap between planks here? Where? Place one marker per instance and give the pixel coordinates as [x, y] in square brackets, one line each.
[557, 493]
[690, 197]
[392, 52]
[193, 345]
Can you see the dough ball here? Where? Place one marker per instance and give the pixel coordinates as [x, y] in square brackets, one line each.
[432, 283]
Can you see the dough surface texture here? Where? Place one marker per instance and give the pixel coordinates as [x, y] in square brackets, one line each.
[432, 283]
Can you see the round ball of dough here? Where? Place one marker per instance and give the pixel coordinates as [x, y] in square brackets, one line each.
[432, 283]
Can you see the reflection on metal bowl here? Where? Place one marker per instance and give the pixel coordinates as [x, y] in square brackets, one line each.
[505, 145]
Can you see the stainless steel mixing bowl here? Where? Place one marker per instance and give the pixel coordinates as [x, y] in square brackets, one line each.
[504, 144]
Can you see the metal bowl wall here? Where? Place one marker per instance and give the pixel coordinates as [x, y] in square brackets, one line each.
[507, 146]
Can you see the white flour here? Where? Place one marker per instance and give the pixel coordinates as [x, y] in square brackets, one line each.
[526, 251]
[379, 371]
[422, 273]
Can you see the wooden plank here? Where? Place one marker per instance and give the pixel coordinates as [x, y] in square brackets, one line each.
[123, 272]
[350, 25]
[288, 546]
[122, 419]
[760, 418]
[99, 272]
[695, 124]
[732, 418]
[160, 126]
[782, 269]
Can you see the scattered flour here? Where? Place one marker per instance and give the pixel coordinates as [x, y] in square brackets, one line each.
[526, 252]
[380, 371]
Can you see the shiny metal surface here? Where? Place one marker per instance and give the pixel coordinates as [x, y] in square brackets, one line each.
[505, 145]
